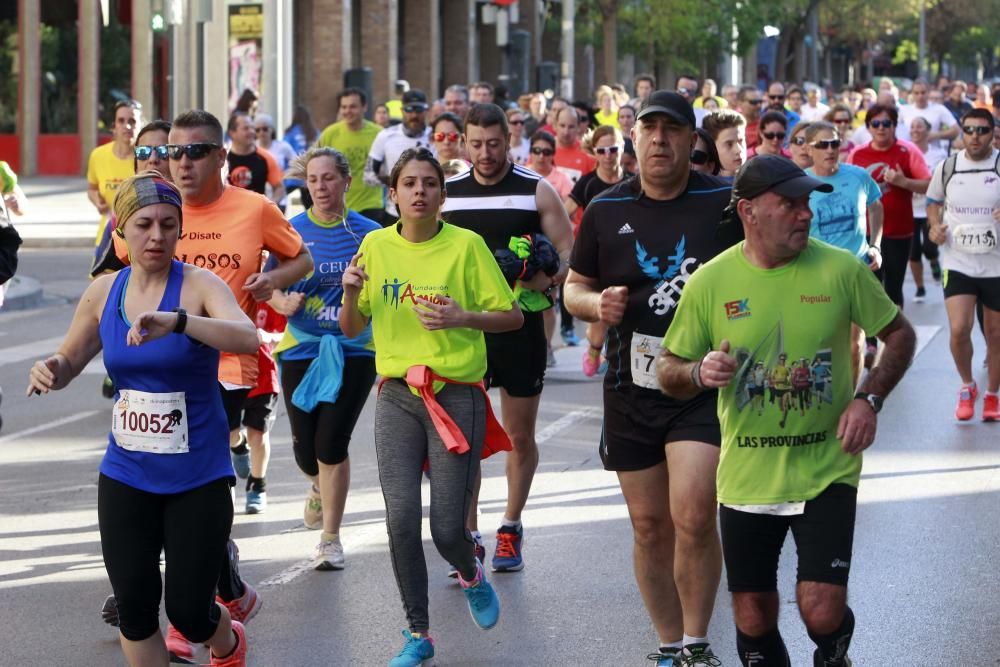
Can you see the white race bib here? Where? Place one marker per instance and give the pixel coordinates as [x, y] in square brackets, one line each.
[149, 422]
[792, 508]
[974, 239]
[645, 349]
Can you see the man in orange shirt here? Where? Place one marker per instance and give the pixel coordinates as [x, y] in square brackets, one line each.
[570, 158]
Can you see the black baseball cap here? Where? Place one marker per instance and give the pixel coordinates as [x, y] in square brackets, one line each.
[774, 173]
[670, 103]
[415, 97]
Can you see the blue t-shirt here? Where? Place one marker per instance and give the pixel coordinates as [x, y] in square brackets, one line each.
[296, 138]
[332, 246]
[841, 217]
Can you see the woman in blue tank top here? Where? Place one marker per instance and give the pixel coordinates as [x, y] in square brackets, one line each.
[165, 477]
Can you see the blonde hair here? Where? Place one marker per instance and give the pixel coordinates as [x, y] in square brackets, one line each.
[593, 136]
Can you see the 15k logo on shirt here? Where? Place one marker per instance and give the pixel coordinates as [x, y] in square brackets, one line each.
[737, 310]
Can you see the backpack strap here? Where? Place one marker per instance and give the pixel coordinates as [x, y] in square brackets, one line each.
[948, 170]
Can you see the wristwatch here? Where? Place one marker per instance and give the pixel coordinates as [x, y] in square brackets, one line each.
[182, 320]
[874, 401]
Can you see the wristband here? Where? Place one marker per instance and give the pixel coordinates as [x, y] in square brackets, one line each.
[182, 320]
[696, 375]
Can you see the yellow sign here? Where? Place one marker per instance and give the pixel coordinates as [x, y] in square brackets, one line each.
[246, 22]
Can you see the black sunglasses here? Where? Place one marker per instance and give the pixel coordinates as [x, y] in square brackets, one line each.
[413, 108]
[977, 129]
[776, 97]
[146, 152]
[699, 157]
[881, 124]
[798, 141]
[547, 152]
[755, 102]
[826, 145]
[515, 122]
[193, 151]
[771, 136]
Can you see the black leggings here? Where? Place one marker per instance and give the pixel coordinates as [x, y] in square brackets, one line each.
[324, 434]
[192, 528]
[921, 244]
[895, 255]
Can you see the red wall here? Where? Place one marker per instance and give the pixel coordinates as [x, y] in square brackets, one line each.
[59, 155]
[10, 151]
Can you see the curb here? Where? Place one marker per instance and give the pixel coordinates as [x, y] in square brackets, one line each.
[54, 242]
[23, 293]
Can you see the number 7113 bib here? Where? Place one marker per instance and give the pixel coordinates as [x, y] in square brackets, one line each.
[150, 422]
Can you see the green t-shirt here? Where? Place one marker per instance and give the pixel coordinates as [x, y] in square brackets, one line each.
[454, 263]
[355, 147]
[802, 311]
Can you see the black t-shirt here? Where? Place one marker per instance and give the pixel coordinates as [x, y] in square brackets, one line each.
[957, 110]
[248, 171]
[651, 247]
[589, 186]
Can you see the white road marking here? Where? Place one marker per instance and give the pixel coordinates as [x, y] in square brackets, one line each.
[925, 334]
[44, 427]
[565, 422]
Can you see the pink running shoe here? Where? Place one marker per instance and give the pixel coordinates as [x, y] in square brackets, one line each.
[966, 402]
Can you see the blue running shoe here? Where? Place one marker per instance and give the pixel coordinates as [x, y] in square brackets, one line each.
[507, 556]
[669, 658]
[418, 650]
[570, 338]
[484, 605]
[241, 462]
[256, 501]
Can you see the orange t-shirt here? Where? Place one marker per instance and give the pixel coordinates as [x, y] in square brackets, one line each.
[228, 238]
[574, 162]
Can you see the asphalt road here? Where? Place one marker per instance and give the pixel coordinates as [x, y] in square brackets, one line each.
[924, 586]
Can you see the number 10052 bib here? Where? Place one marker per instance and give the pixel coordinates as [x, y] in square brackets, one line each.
[151, 422]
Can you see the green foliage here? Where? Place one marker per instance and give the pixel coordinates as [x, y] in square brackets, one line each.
[906, 52]
[8, 77]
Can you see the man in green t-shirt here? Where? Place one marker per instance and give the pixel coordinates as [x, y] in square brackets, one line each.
[782, 296]
[353, 135]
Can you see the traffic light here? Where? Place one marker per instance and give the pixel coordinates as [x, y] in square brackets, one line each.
[158, 23]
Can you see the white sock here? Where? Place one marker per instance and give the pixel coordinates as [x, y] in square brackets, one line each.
[688, 639]
[507, 523]
[676, 645]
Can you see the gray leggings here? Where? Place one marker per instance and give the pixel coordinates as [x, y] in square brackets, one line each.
[404, 438]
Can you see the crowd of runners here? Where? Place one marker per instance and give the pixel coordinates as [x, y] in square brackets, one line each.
[738, 257]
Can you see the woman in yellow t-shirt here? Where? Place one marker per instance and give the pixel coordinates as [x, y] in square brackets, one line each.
[430, 290]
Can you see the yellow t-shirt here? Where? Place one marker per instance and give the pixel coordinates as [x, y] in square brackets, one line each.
[609, 118]
[107, 172]
[454, 263]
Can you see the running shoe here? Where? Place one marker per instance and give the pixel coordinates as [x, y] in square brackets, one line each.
[238, 658]
[936, 270]
[312, 515]
[243, 608]
[241, 462]
[479, 549]
[507, 556]
[920, 296]
[694, 655]
[109, 611]
[484, 605]
[819, 662]
[180, 649]
[329, 555]
[418, 650]
[991, 407]
[967, 402]
[670, 657]
[570, 338]
[592, 361]
[256, 501]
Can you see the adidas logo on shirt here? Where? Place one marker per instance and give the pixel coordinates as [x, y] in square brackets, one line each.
[626, 229]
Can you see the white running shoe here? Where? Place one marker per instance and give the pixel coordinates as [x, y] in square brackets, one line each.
[329, 555]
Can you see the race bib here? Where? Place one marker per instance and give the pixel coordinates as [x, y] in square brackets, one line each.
[974, 239]
[645, 349]
[793, 508]
[150, 422]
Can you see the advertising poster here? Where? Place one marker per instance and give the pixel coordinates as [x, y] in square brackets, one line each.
[246, 39]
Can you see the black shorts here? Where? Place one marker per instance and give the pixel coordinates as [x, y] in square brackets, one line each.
[516, 360]
[258, 412]
[824, 539]
[638, 423]
[986, 290]
[232, 402]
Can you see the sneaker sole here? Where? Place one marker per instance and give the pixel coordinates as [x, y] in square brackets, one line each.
[513, 568]
[177, 660]
[255, 510]
[327, 566]
[254, 610]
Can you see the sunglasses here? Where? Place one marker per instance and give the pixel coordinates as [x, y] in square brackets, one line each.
[755, 102]
[798, 141]
[547, 152]
[877, 124]
[771, 136]
[413, 108]
[515, 122]
[776, 98]
[826, 145]
[451, 137]
[193, 151]
[606, 150]
[699, 157]
[146, 152]
[684, 91]
[981, 130]
[842, 121]
[258, 130]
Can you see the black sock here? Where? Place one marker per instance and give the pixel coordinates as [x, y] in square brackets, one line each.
[768, 650]
[832, 648]
[241, 448]
[258, 484]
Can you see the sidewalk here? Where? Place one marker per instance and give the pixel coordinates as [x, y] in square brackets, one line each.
[59, 213]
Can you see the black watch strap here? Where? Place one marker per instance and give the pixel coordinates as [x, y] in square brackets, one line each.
[874, 401]
[182, 320]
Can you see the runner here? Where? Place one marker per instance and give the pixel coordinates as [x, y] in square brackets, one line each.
[267, 140]
[782, 292]
[773, 130]
[944, 127]
[456, 100]
[109, 165]
[637, 246]
[728, 129]
[430, 290]
[900, 170]
[704, 156]
[446, 134]
[323, 414]
[922, 246]
[165, 476]
[500, 200]
[571, 159]
[962, 204]
[249, 167]
[749, 106]
[798, 149]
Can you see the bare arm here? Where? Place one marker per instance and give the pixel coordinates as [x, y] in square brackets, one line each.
[896, 177]
[571, 206]
[948, 132]
[94, 195]
[582, 296]
[352, 322]
[683, 379]
[445, 313]
[559, 230]
[900, 343]
[278, 192]
[876, 214]
[287, 272]
[936, 230]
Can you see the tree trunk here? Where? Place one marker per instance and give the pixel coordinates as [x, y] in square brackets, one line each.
[609, 12]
